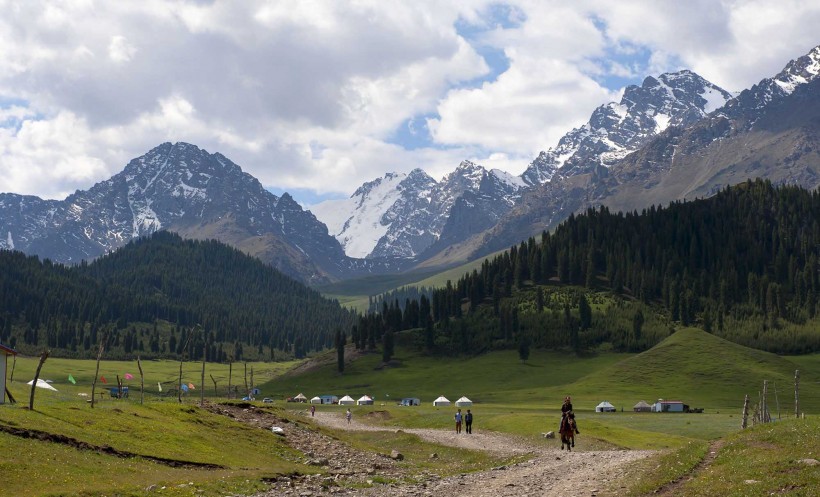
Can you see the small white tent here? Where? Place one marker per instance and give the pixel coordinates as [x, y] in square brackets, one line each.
[300, 398]
[604, 407]
[441, 401]
[364, 400]
[42, 384]
[347, 400]
[316, 400]
[464, 402]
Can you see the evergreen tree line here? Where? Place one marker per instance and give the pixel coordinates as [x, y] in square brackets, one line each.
[403, 296]
[151, 294]
[747, 257]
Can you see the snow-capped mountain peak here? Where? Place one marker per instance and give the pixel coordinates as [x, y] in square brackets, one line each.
[619, 128]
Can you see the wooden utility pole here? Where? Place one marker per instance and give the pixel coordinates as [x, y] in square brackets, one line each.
[181, 359]
[103, 339]
[202, 382]
[744, 423]
[796, 393]
[246, 378]
[43, 358]
[142, 380]
[230, 374]
[251, 396]
[13, 364]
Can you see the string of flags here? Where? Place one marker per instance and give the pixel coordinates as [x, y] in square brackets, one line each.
[71, 379]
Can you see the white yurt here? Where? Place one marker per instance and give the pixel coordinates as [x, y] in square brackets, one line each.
[464, 402]
[604, 407]
[300, 398]
[347, 400]
[316, 400]
[364, 400]
[441, 401]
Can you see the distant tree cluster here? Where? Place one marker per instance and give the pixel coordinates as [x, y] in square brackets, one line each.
[747, 256]
[153, 292]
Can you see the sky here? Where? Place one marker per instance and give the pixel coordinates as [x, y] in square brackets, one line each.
[316, 97]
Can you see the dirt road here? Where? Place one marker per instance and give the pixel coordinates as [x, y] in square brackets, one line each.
[550, 471]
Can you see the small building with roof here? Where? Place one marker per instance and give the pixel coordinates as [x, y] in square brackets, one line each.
[365, 400]
[464, 402]
[669, 406]
[5, 352]
[642, 406]
[442, 401]
[347, 400]
[605, 407]
[410, 401]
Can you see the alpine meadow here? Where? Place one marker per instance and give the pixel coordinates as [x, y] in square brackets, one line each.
[486, 248]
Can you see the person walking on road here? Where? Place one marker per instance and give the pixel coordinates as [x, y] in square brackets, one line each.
[348, 415]
[458, 421]
[468, 422]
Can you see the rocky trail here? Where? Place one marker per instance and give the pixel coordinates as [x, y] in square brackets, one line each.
[546, 471]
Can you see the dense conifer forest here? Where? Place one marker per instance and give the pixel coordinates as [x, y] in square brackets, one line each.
[158, 294]
[742, 264]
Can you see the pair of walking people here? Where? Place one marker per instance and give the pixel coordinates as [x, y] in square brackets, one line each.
[466, 418]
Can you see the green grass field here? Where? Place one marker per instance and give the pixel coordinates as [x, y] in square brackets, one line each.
[510, 396]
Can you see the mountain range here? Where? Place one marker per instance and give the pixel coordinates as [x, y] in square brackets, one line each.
[676, 136]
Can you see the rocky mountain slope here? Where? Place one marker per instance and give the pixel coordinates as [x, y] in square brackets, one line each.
[181, 188]
[771, 130]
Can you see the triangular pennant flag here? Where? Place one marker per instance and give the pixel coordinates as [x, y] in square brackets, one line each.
[129, 376]
[71, 379]
[191, 386]
[102, 378]
[159, 385]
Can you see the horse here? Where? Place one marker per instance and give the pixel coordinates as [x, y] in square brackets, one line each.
[568, 432]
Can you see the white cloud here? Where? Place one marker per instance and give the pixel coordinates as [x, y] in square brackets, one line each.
[308, 94]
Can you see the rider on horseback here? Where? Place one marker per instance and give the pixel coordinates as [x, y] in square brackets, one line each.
[566, 411]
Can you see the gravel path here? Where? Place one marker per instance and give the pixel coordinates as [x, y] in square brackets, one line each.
[550, 471]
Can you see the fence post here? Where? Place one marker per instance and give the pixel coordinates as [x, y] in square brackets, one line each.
[744, 423]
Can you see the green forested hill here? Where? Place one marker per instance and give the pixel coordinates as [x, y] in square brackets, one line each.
[742, 265]
[154, 292]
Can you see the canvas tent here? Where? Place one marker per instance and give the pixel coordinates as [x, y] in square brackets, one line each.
[642, 406]
[365, 400]
[464, 402]
[316, 400]
[41, 383]
[410, 401]
[4, 353]
[300, 398]
[441, 401]
[604, 407]
[347, 400]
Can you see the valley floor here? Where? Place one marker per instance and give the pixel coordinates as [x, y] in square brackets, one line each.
[547, 471]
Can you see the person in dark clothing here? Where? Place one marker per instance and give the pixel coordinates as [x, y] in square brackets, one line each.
[566, 410]
[468, 421]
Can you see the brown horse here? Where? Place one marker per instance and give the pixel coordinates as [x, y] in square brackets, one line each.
[568, 431]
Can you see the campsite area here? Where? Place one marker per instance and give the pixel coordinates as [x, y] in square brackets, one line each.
[227, 447]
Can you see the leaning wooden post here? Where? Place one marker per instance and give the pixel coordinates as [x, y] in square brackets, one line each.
[103, 338]
[43, 358]
[744, 423]
[13, 364]
[796, 393]
[213, 380]
[142, 380]
[765, 407]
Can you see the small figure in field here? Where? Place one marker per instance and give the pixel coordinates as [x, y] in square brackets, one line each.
[348, 415]
[458, 421]
[468, 422]
[566, 410]
[312, 411]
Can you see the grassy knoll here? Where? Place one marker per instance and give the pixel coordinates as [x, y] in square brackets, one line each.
[771, 459]
[159, 429]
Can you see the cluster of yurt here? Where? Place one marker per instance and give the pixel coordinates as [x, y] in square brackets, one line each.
[443, 401]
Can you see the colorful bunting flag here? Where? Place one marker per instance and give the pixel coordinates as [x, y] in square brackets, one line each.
[129, 376]
[191, 386]
[102, 378]
[184, 388]
[159, 385]
[71, 379]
